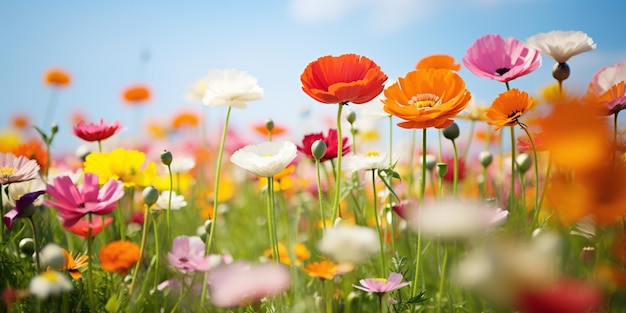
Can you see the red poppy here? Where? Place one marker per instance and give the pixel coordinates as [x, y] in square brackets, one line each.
[565, 296]
[96, 132]
[331, 145]
[342, 79]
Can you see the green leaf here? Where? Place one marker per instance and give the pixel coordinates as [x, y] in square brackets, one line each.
[419, 298]
[113, 305]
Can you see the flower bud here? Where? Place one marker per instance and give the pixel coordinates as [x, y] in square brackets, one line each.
[442, 169]
[166, 157]
[523, 162]
[588, 255]
[150, 195]
[269, 124]
[485, 158]
[207, 226]
[351, 117]
[431, 161]
[27, 246]
[452, 132]
[560, 71]
[54, 129]
[318, 149]
[51, 255]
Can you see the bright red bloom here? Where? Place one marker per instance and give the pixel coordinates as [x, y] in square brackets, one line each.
[81, 228]
[566, 296]
[96, 132]
[331, 144]
[342, 79]
[449, 177]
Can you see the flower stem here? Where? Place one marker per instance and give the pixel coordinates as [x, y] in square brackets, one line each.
[418, 249]
[319, 193]
[36, 243]
[337, 195]
[455, 176]
[376, 218]
[156, 251]
[271, 219]
[144, 235]
[169, 202]
[536, 161]
[444, 264]
[92, 304]
[512, 186]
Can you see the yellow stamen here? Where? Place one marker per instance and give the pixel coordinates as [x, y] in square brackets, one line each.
[372, 154]
[6, 172]
[50, 276]
[425, 100]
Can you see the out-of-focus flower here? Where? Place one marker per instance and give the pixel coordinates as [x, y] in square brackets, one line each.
[342, 79]
[73, 203]
[501, 59]
[300, 253]
[261, 128]
[81, 228]
[195, 91]
[119, 256]
[241, 283]
[524, 144]
[586, 228]
[405, 208]
[51, 256]
[381, 286]
[49, 283]
[449, 176]
[232, 88]
[371, 160]
[16, 168]
[57, 77]
[608, 88]
[73, 265]
[182, 164]
[438, 61]
[9, 139]
[188, 255]
[20, 121]
[121, 164]
[331, 144]
[508, 107]
[561, 45]
[265, 159]
[322, 269]
[185, 119]
[567, 295]
[163, 202]
[23, 208]
[353, 244]
[474, 112]
[427, 98]
[96, 132]
[34, 151]
[136, 94]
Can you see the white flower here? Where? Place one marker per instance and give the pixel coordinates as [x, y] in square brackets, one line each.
[178, 201]
[182, 164]
[561, 45]
[49, 283]
[196, 91]
[456, 219]
[353, 244]
[17, 190]
[265, 159]
[231, 88]
[586, 227]
[51, 255]
[372, 160]
[608, 76]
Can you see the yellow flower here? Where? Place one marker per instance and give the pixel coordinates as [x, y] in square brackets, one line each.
[181, 182]
[323, 269]
[123, 165]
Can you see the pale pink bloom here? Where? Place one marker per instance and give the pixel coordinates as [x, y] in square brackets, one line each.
[381, 285]
[188, 255]
[16, 169]
[501, 59]
[604, 80]
[74, 203]
[96, 132]
[241, 283]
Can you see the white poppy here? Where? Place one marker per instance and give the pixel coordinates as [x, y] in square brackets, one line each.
[372, 160]
[265, 159]
[561, 45]
[231, 88]
[352, 244]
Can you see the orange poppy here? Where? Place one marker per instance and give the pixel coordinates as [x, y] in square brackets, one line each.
[34, 151]
[136, 94]
[300, 251]
[73, 265]
[322, 269]
[119, 256]
[185, 119]
[427, 98]
[438, 61]
[508, 107]
[57, 77]
[342, 79]
[262, 129]
[20, 121]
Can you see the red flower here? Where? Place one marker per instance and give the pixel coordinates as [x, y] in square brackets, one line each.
[96, 132]
[566, 296]
[81, 228]
[449, 177]
[342, 79]
[331, 144]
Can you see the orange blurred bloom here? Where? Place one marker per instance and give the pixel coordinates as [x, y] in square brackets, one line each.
[322, 269]
[262, 129]
[20, 121]
[34, 151]
[427, 98]
[438, 61]
[156, 130]
[300, 251]
[57, 77]
[136, 94]
[508, 107]
[342, 79]
[72, 265]
[185, 119]
[119, 256]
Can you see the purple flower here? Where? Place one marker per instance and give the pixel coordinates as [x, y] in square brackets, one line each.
[23, 208]
[381, 285]
[188, 255]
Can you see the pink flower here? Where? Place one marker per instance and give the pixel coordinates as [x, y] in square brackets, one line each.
[331, 144]
[81, 228]
[74, 203]
[494, 57]
[188, 255]
[241, 283]
[16, 169]
[23, 208]
[609, 86]
[96, 132]
[381, 285]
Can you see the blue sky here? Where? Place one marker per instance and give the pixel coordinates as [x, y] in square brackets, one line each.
[100, 43]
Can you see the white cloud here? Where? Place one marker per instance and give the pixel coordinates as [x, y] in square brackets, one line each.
[323, 10]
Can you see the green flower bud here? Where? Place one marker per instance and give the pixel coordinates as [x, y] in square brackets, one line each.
[27, 246]
[318, 149]
[452, 132]
[269, 124]
[442, 169]
[150, 195]
[560, 71]
[166, 157]
[485, 158]
[523, 162]
[351, 117]
[54, 128]
[431, 161]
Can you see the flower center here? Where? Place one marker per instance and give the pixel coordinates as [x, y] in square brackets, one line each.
[269, 155]
[6, 172]
[50, 276]
[515, 115]
[183, 260]
[425, 100]
[503, 70]
[372, 154]
[384, 280]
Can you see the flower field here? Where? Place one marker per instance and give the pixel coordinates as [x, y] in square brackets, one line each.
[514, 206]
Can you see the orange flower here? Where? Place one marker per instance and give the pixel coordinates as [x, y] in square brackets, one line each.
[185, 119]
[342, 79]
[301, 253]
[73, 265]
[427, 98]
[136, 94]
[20, 121]
[323, 269]
[262, 129]
[34, 151]
[438, 61]
[119, 256]
[508, 107]
[57, 77]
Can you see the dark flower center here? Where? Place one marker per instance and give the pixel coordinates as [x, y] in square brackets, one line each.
[503, 70]
[183, 259]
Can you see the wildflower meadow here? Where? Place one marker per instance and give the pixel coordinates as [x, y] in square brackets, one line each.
[516, 205]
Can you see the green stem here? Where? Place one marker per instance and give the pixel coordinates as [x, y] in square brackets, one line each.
[536, 166]
[52, 103]
[144, 236]
[319, 193]
[100, 146]
[271, 219]
[120, 220]
[443, 276]
[36, 242]
[169, 202]
[376, 218]
[156, 251]
[512, 186]
[2, 211]
[418, 249]
[411, 159]
[92, 303]
[455, 171]
[337, 195]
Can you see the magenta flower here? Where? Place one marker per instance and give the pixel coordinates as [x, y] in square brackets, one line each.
[188, 255]
[331, 144]
[494, 57]
[96, 132]
[380, 285]
[74, 203]
[23, 208]
[17, 169]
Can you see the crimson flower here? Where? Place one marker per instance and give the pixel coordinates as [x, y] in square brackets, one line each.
[331, 144]
[81, 228]
[74, 203]
[96, 132]
[567, 296]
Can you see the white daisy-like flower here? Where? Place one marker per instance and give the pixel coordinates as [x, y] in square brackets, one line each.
[265, 159]
[17, 190]
[49, 283]
[372, 160]
[195, 92]
[352, 244]
[231, 88]
[182, 164]
[561, 45]
[178, 201]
